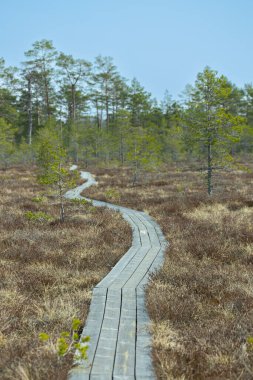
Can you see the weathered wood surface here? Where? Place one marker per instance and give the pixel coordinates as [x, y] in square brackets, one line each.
[120, 343]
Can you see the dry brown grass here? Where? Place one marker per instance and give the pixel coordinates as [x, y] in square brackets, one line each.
[47, 272]
[201, 301]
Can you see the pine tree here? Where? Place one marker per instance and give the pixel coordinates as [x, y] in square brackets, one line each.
[51, 157]
[40, 64]
[212, 123]
[7, 142]
[143, 151]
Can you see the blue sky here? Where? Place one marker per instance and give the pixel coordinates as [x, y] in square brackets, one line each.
[163, 43]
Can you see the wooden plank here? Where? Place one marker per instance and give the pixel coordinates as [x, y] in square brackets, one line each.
[126, 345]
[93, 328]
[144, 237]
[118, 268]
[151, 228]
[118, 321]
[142, 269]
[143, 341]
[130, 269]
[108, 335]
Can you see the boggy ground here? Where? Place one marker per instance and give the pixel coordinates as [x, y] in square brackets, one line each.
[201, 301]
[47, 271]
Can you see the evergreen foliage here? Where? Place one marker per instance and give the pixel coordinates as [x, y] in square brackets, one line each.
[51, 157]
[57, 107]
[213, 124]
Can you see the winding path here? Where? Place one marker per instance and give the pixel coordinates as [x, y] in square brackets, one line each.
[120, 343]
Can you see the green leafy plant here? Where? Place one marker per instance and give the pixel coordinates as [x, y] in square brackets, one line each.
[69, 342]
[112, 194]
[180, 188]
[81, 201]
[38, 216]
[38, 199]
[250, 343]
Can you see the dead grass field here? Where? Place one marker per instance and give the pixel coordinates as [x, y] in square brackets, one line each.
[201, 301]
[47, 271]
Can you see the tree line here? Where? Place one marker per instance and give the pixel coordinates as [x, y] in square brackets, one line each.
[96, 116]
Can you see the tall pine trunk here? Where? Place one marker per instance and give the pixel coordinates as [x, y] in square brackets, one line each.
[30, 120]
[73, 96]
[121, 151]
[48, 109]
[209, 168]
[61, 195]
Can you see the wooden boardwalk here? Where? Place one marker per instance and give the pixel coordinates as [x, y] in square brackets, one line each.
[120, 343]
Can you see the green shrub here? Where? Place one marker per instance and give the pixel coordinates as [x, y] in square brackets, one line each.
[38, 199]
[81, 201]
[250, 343]
[69, 342]
[38, 216]
[112, 194]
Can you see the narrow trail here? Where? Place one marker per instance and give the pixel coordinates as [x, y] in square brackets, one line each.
[120, 343]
